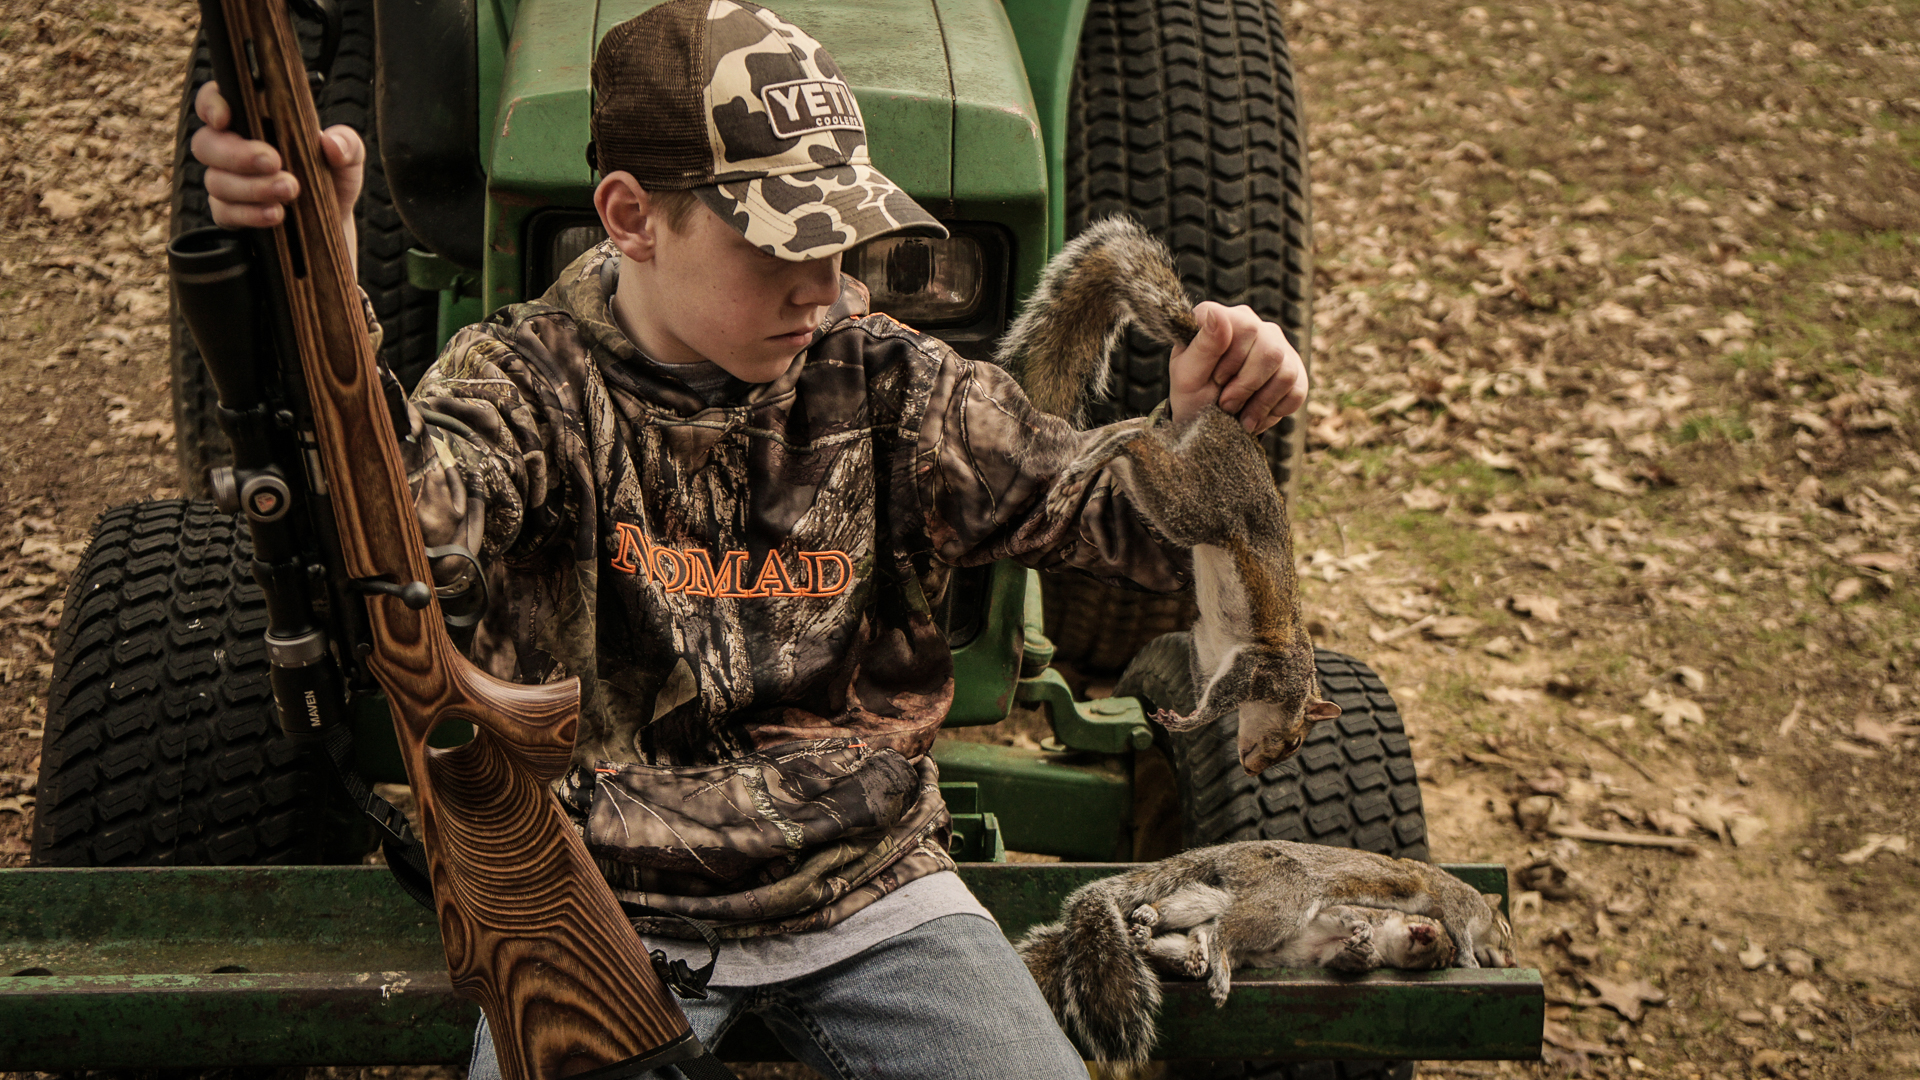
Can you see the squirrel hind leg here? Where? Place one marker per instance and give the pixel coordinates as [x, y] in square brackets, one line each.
[1176, 955]
[1219, 961]
[1193, 904]
[1465, 953]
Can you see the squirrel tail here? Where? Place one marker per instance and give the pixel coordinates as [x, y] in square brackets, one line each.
[1095, 978]
[1111, 275]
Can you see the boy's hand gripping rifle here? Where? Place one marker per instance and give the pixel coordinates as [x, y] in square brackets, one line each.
[530, 928]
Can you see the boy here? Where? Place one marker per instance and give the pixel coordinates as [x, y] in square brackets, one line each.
[705, 481]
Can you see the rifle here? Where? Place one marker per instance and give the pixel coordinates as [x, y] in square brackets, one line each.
[530, 928]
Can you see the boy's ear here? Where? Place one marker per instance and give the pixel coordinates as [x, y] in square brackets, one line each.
[628, 215]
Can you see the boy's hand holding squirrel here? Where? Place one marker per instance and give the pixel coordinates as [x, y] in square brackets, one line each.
[1238, 360]
[1242, 363]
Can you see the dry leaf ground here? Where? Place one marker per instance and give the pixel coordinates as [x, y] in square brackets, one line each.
[1616, 329]
[1613, 471]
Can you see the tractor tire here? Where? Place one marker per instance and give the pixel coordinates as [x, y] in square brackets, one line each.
[407, 315]
[162, 745]
[1183, 115]
[1352, 786]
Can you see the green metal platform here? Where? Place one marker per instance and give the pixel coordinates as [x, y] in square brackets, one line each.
[264, 966]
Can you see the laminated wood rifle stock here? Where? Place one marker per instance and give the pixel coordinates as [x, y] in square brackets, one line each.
[531, 930]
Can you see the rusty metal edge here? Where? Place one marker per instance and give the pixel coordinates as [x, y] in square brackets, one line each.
[64, 1022]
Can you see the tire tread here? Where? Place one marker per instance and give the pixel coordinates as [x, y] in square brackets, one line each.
[139, 767]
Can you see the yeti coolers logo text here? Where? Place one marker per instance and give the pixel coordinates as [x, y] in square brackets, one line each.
[809, 105]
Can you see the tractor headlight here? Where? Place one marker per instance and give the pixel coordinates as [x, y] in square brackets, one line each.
[922, 281]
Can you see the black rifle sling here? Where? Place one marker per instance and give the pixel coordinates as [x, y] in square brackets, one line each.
[406, 857]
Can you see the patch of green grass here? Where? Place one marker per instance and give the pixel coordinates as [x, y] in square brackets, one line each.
[1442, 542]
[1757, 357]
[1481, 482]
[1309, 506]
[1843, 248]
[1801, 328]
[1821, 578]
[1590, 88]
[1373, 460]
[1708, 427]
[1458, 693]
[1415, 66]
[1908, 132]
[1657, 951]
[1889, 319]
[1615, 665]
[1761, 604]
[1903, 601]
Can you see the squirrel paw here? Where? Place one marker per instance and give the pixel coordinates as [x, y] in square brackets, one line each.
[1174, 721]
[1141, 923]
[1219, 984]
[1195, 962]
[1359, 931]
[1357, 953]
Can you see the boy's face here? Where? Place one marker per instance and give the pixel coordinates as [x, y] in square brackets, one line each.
[702, 292]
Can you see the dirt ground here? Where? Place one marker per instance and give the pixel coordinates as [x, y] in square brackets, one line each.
[1613, 468]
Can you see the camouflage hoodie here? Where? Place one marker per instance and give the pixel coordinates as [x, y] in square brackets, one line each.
[746, 591]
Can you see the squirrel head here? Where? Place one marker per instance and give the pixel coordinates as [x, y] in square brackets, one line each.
[1271, 731]
[1415, 943]
[1278, 694]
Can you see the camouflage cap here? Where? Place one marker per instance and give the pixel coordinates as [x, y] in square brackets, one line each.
[727, 99]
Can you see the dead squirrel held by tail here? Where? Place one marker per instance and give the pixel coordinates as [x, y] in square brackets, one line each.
[1205, 484]
[1256, 903]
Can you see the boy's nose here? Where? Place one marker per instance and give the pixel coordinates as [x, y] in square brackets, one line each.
[819, 283]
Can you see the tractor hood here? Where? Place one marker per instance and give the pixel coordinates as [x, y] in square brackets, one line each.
[938, 82]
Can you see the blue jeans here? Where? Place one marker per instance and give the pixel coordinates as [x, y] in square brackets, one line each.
[947, 999]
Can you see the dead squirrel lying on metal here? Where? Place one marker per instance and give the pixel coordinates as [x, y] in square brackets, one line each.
[1181, 935]
[1256, 903]
[1205, 484]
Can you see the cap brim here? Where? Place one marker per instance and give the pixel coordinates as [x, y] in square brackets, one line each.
[815, 214]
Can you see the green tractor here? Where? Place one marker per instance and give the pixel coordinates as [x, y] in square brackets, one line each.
[250, 926]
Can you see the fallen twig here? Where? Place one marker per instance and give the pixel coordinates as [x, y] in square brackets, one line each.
[1387, 637]
[1616, 752]
[1581, 832]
